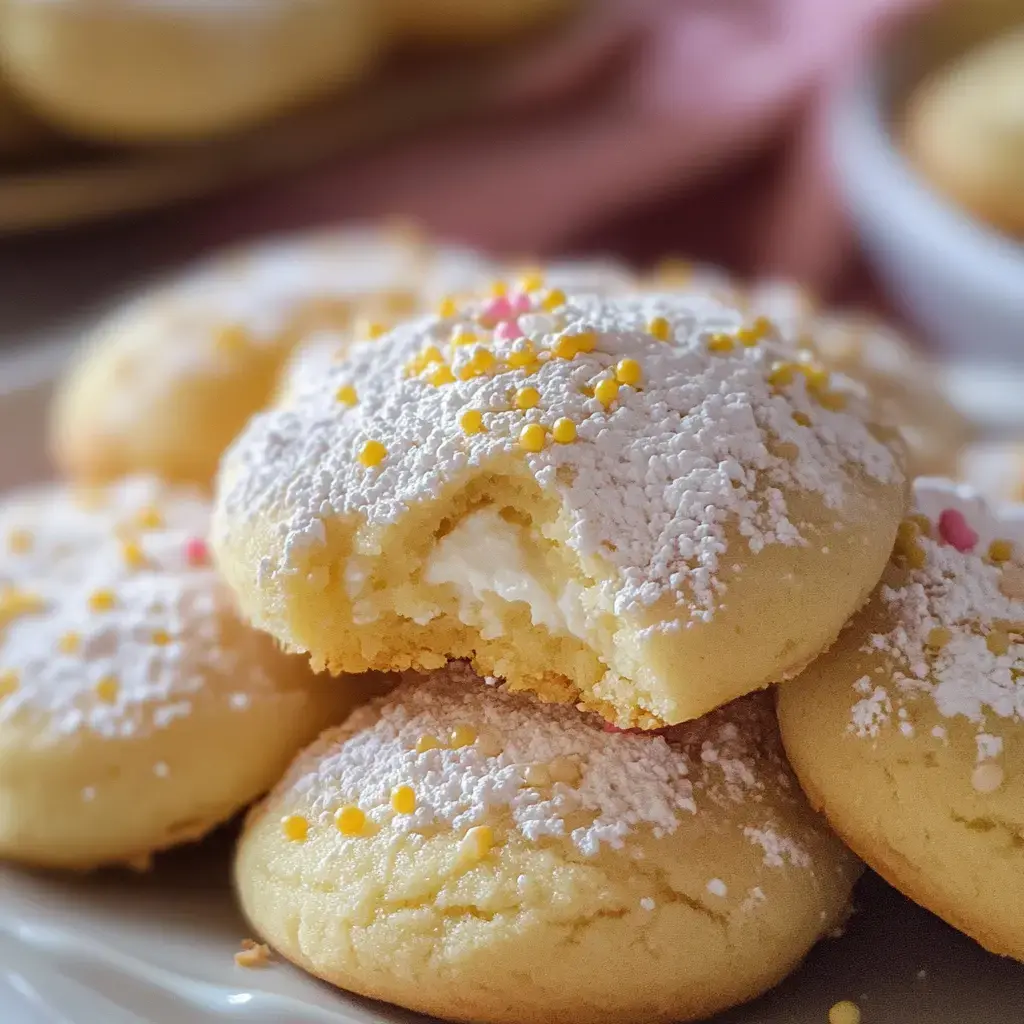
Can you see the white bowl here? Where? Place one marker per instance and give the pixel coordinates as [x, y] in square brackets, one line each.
[961, 282]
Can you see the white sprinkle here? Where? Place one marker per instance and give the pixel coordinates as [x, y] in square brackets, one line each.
[160, 770]
[239, 701]
[717, 887]
[647, 903]
[89, 794]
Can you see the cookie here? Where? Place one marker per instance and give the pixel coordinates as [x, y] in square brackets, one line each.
[471, 854]
[593, 498]
[903, 381]
[136, 710]
[165, 383]
[470, 21]
[963, 129]
[909, 733]
[180, 71]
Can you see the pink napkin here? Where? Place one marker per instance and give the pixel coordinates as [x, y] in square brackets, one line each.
[693, 126]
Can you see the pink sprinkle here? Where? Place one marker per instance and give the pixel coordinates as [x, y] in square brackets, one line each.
[521, 303]
[509, 330]
[197, 552]
[953, 529]
[498, 309]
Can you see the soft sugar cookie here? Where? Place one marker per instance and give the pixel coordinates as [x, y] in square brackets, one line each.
[909, 733]
[136, 710]
[902, 380]
[471, 854]
[592, 498]
[165, 383]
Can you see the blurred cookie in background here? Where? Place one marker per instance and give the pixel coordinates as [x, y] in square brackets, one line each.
[21, 134]
[471, 21]
[964, 131]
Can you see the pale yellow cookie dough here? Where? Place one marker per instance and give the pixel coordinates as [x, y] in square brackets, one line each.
[964, 129]
[136, 710]
[909, 733]
[599, 510]
[474, 855]
[900, 378]
[139, 71]
[166, 382]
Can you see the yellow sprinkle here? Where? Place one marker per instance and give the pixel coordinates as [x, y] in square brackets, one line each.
[350, 820]
[472, 421]
[447, 307]
[802, 418]
[346, 395]
[403, 800]
[477, 843]
[606, 391]
[565, 347]
[69, 643]
[462, 736]
[19, 542]
[922, 522]
[498, 289]
[427, 742]
[938, 637]
[834, 401]
[720, 342]
[915, 556]
[627, 371]
[748, 337]
[371, 330]
[554, 299]
[564, 430]
[482, 360]
[586, 341]
[674, 270]
[132, 554]
[782, 374]
[998, 642]
[464, 336]
[14, 603]
[431, 354]
[844, 1013]
[231, 339]
[521, 356]
[787, 450]
[531, 281]
[564, 770]
[817, 377]
[295, 827]
[373, 453]
[149, 519]
[441, 375]
[161, 638]
[660, 328]
[762, 326]
[527, 398]
[101, 600]
[537, 775]
[531, 437]
[107, 689]
[8, 682]
[1000, 550]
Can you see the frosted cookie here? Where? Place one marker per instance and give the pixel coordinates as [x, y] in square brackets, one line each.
[909, 733]
[136, 710]
[470, 21]
[166, 382]
[592, 498]
[903, 381]
[470, 854]
[964, 129]
[180, 70]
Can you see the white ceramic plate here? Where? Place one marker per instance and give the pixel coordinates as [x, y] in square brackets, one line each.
[117, 948]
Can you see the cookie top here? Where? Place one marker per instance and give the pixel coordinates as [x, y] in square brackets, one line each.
[673, 432]
[454, 753]
[112, 619]
[953, 605]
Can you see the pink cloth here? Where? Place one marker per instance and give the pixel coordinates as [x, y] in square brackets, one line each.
[687, 126]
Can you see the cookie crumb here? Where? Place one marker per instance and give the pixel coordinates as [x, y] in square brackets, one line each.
[844, 1012]
[253, 954]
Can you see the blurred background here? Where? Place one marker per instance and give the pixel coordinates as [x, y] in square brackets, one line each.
[873, 149]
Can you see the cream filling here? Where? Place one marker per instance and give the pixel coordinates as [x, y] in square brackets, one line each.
[485, 560]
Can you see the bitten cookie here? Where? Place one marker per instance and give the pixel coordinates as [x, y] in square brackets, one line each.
[964, 129]
[909, 733]
[136, 711]
[902, 380]
[474, 855]
[595, 499]
[165, 383]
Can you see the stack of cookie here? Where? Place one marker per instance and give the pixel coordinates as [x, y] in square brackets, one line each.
[574, 524]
